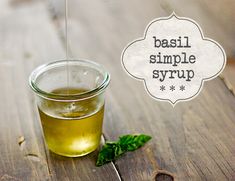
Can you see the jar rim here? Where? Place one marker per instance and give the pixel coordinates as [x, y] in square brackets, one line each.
[70, 97]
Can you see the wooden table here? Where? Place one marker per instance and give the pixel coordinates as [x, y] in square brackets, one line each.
[193, 141]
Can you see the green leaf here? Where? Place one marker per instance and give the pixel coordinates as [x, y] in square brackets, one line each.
[107, 154]
[112, 150]
[133, 142]
[118, 151]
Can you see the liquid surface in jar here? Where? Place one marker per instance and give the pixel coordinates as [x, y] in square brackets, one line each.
[72, 129]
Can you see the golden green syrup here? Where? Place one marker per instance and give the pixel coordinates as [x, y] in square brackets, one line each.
[72, 129]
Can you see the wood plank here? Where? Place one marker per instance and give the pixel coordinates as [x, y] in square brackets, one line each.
[217, 20]
[28, 38]
[22, 47]
[194, 140]
[228, 75]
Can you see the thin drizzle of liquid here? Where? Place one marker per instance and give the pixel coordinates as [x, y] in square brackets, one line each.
[66, 42]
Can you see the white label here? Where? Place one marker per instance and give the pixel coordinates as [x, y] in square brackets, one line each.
[173, 59]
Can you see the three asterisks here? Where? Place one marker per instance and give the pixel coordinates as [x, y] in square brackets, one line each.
[172, 88]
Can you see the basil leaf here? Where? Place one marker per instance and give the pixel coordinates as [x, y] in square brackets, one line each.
[133, 142]
[107, 154]
[112, 150]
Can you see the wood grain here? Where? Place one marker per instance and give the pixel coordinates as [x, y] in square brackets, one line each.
[28, 38]
[228, 75]
[194, 140]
